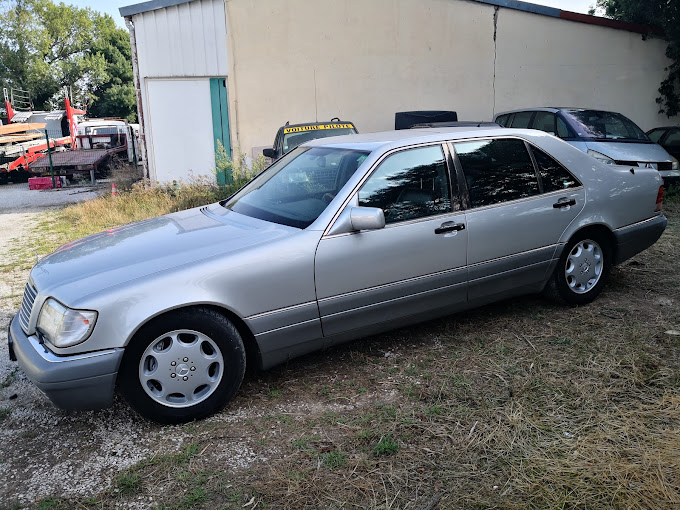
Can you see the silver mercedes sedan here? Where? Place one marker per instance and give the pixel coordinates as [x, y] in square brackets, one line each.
[339, 239]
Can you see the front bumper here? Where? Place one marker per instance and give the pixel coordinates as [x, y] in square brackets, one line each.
[633, 239]
[81, 381]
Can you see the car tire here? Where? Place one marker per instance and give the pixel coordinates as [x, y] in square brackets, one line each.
[183, 366]
[582, 270]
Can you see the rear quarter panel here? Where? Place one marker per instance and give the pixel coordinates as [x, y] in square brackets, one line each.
[616, 196]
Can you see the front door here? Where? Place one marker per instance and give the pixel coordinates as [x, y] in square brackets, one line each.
[413, 268]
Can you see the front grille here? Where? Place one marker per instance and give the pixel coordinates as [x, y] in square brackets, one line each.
[27, 306]
[665, 165]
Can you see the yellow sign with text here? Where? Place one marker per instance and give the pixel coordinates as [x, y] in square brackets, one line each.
[315, 127]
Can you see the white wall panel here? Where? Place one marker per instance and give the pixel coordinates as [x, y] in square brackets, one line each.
[183, 40]
[180, 146]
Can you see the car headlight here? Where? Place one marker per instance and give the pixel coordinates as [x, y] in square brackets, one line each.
[601, 157]
[62, 326]
[674, 164]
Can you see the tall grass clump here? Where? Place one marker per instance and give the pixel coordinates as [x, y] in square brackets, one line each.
[142, 200]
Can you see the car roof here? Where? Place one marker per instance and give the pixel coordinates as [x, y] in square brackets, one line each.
[102, 122]
[404, 137]
[553, 109]
[538, 109]
[455, 123]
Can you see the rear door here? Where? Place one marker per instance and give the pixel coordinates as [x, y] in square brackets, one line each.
[519, 202]
[413, 267]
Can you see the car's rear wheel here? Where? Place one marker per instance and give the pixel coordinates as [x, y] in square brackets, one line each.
[183, 366]
[583, 269]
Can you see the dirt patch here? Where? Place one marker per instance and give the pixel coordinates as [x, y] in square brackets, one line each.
[13, 228]
[19, 198]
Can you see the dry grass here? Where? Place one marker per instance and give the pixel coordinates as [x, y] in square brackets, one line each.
[137, 203]
[520, 404]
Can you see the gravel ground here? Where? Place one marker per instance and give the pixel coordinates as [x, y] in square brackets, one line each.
[17, 197]
[45, 451]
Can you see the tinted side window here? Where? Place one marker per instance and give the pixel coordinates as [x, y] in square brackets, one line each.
[553, 175]
[545, 121]
[562, 129]
[503, 120]
[521, 120]
[497, 170]
[673, 139]
[408, 185]
[656, 135]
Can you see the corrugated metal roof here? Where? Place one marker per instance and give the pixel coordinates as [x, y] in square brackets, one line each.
[151, 5]
[21, 117]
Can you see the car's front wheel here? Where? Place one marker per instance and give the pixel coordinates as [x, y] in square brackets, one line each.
[583, 269]
[183, 366]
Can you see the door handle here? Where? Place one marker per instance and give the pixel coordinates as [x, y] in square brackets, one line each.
[563, 202]
[449, 226]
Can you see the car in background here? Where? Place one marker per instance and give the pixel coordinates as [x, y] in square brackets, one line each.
[607, 136]
[291, 135]
[406, 120]
[669, 139]
[339, 239]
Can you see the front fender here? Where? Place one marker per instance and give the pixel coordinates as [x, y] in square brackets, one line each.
[247, 283]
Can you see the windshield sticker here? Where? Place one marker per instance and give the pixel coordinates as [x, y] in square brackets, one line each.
[300, 129]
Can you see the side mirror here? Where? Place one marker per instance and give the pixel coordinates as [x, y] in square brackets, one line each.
[269, 153]
[367, 218]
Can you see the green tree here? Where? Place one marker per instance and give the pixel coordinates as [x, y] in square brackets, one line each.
[114, 94]
[665, 16]
[46, 46]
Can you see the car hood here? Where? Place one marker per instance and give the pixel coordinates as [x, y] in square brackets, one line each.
[631, 151]
[133, 251]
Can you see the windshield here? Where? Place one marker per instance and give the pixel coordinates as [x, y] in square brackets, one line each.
[296, 189]
[101, 130]
[605, 126]
[295, 136]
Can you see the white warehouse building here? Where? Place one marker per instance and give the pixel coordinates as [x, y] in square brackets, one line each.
[236, 70]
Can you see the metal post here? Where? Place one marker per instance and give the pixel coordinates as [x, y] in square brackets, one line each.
[49, 155]
[132, 140]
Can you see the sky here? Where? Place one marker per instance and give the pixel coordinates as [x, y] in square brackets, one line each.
[111, 6]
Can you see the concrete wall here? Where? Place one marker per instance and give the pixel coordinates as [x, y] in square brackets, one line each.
[301, 60]
[180, 48]
[361, 61]
[544, 61]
